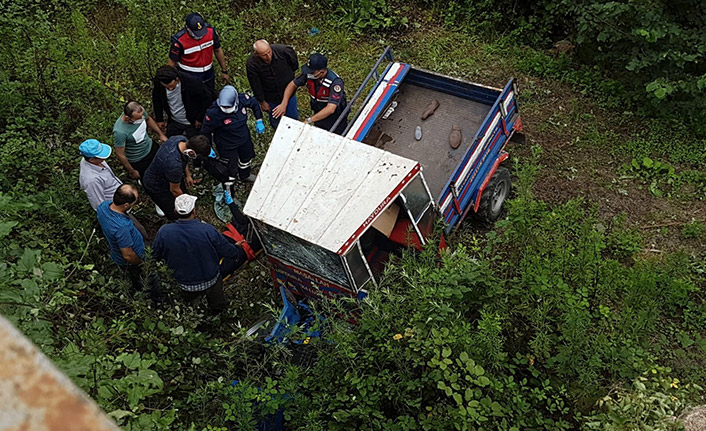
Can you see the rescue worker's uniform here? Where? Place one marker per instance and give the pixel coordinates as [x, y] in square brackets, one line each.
[323, 91]
[231, 133]
[195, 56]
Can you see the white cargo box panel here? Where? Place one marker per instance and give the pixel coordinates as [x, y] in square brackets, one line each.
[324, 188]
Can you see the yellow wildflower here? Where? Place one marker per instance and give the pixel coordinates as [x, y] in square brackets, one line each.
[397, 336]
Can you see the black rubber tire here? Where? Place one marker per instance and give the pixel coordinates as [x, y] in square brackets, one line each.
[494, 195]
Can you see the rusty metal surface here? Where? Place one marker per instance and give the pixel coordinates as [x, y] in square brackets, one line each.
[438, 159]
[36, 396]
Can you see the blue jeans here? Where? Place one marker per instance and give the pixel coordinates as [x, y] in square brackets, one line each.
[292, 111]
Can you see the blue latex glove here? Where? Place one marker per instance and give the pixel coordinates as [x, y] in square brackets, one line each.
[227, 198]
[213, 154]
[260, 127]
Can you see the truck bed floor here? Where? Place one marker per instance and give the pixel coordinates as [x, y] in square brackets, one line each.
[438, 159]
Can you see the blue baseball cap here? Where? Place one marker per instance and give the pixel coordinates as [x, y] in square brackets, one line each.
[93, 148]
[196, 24]
[316, 62]
[228, 96]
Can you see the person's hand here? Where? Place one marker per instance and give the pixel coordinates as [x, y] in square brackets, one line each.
[198, 124]
[279, 110]
[225, 76]
[260, 127]
[227, 198]
[265, 106]
[163, 138]
[134, 174]
[189, 181]
[213, 154]
[162, 126]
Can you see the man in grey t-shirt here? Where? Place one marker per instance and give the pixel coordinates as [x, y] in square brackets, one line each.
[184, 100]
[95, 176]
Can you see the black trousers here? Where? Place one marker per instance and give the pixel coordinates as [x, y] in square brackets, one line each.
[215, 296]
[174, 128]
[142, 165]
[165, 201]
[135, 274]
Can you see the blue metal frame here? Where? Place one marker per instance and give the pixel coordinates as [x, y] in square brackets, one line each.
[463, 190]
[466, 189]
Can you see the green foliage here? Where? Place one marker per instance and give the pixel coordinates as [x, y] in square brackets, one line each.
[521, 329]
[366, 15]
[694, 229]
[652, 403]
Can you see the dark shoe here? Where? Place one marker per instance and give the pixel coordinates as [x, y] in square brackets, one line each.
[250, 178]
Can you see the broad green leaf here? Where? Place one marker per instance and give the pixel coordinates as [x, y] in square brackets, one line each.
[6, 228]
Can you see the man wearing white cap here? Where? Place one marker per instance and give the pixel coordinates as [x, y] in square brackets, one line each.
[193, 249]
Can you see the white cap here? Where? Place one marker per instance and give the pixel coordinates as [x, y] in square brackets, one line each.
[184, 204]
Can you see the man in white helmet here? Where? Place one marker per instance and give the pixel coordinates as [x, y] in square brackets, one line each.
[227, 121]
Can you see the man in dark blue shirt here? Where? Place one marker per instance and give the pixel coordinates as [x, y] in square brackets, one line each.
[169, 176]
[193, 249]
[127, 247]
[326, 92]
[227, 119]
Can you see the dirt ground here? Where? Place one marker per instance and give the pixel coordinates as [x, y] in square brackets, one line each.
[557, 119]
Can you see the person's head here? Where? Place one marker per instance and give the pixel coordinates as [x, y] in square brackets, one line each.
[196, 26]
[317, 67]
[133, 113]
[185, 206]
[198, 145]
[94, 151]
[228, 99]
[263, 50]
[167, 77]
[125, 197]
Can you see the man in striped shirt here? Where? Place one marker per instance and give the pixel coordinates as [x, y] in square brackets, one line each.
[193, 48]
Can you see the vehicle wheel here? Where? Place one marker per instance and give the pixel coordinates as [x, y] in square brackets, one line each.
[494, 195]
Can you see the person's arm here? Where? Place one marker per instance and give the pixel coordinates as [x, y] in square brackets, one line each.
[281, 109]
[220, 56]
[130, 256]
[334, 98]
[255, 82]
[175, 188]
[251, 102]
[175, 177]
[175, 52]
[119, 141]
[189, 180]
[157, 105]
[324, 113]
[207, 126]
[222, 62]
[156, 129]
[95, 193]
[158, 246]
[291, 57]
[221, 244]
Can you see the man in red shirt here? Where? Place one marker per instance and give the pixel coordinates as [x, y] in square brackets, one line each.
[193, 48]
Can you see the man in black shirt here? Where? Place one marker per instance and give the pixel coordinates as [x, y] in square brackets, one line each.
[183, 98]
[270, 68]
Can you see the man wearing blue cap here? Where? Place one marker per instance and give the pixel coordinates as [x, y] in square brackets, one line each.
[95, 176]
[193, 48]
[227, 120]
[328, 98]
